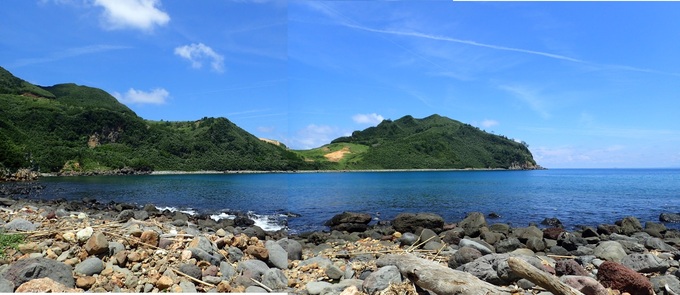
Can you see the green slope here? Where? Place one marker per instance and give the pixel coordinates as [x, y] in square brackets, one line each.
[71, 127]
[434, 142]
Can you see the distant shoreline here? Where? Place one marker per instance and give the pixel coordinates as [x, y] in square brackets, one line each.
[328, 171]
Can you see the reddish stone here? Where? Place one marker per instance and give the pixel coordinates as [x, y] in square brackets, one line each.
[552, 233]
[258, 252]
[619, 277]
[150, 237]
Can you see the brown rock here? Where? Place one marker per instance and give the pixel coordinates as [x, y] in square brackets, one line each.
[586, 285]
[260, 253]
[164, 282]
[28, 248]
[570, 267]
[150, 237]
[85, 283]
[617, 276]
[135, 257]
[121, 257]
[96, 244]
[552, 233]
[45, 285]
[223, 287]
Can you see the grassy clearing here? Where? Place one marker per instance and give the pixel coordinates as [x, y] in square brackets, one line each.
[8, 241]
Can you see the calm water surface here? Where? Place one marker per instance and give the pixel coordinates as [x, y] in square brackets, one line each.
[575, 196]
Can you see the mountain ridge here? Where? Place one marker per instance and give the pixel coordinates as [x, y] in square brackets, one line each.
[73, 129]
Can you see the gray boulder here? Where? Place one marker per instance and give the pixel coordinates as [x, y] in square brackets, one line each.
[314, 288]
[278, 257]
[20, 224]
[408, 239]
[494, 268]
[349, 221]
[662, 283]
[90, 266]
[524, 233]
[473, 223]
[292, 247]
[669, 217]
[463, 256]
[658, 244]
[255, 267]
[476, 245]
[645, 263]
[629, 225]
[610, 251]
[381, 279]
[508, 245]
[125, 215]
[192, 270]
[409, 222]
[6, 286]
[35, 268]
[227, 270]
[275, 279]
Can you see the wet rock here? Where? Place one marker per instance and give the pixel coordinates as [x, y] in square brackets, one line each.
[552, 221]
[278, 257]
[508, 245]
[34, 268]
[463, 256]
[275, 279]
[349, 221]
[669, 217]
[645, 263]
[292, 247]
[96, 244]
[90, 266]
[409, 222]
[585, 284]
[381, 279]
[570, 267]
[20, 224]
[243, 221]
[629, 225]
[472, 224]
[610, 251]
[618, 277]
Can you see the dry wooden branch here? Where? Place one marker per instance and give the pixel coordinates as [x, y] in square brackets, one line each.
[192, 278]
[262, 285]
[437, 278]
[135, 239]
[541, 278]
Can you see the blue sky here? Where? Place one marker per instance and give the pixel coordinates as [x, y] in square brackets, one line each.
[585, 84]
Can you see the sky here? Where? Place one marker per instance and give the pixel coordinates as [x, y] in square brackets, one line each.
[585, 84]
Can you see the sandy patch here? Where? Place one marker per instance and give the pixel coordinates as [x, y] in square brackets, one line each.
[337, 155]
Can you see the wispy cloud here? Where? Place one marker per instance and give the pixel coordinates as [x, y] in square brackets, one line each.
[313, 136]
[68, 53]
[156, 96]
[132, 14]
[488, 123]
[370, 119]
[198, 53]
[529, 96]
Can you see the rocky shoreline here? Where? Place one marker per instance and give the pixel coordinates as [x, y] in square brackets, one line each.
[85, 246]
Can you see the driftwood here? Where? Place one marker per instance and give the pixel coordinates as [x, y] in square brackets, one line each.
[437, 278]
[540, 278]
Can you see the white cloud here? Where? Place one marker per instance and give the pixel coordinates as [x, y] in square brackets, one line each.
[135, 14]
[371, 119]
[197, 53]
[155, 96]
[489, 123]
[266, 129]
[314, 136]
[531, 97]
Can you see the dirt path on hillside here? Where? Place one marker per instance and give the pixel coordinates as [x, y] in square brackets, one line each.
[337, 155]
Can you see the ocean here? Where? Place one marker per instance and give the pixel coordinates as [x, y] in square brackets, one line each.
[307, 200]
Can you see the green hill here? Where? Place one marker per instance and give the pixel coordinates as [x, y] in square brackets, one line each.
[77, 129]
[434, 142]
[72, 128]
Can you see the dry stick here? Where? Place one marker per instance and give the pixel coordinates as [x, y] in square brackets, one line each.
[193, 279]
[541, 278]
[262, 285]
[422, 243]
[562, 256]
[412, 246]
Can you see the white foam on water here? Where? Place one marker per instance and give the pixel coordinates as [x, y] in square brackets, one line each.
[218, 217]
[173, 209]
[265, 222]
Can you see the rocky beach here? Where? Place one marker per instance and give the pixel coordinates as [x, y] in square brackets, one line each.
[86, 246]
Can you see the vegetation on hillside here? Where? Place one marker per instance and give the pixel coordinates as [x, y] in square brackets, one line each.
[434, 142]
[75, 129]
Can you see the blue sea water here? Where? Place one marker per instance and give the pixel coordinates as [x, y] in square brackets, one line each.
[575, 196]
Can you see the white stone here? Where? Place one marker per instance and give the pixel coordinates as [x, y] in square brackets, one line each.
[84, 234]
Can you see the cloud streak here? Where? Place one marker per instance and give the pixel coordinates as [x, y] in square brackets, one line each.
[69, 53]
[156, 96]
[198, 53]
